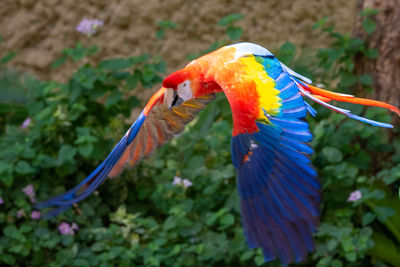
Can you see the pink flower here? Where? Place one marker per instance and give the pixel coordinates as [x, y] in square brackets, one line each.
[88, 26]
[21, 213]
[1, 201]
[354, 196]
[26, 123]
[35, 215]
[30, 192]
[65, 229]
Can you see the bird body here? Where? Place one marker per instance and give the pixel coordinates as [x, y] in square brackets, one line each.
[279, 190]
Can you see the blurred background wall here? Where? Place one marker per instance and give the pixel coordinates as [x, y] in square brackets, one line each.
[39, 30]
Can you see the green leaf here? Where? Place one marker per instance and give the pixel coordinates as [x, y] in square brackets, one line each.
[234, 33]
[351, 256]
[164, 24]
[247, 255]
[160, 34]
[24, 167]
[66, 153]
[228, 20]
[8, 57]
[287, 52]
[93, 50]
[384, 213]
[320, 23]
[369, 12]
[161, 66]
[332, 244]
[114, 97]
[368, 218]
[59, 62]
[133, 80]
[259, 260]
[85, 150]
[227, 220]
[366, 79]
[332, 154]
[372, 53]
[369, 25]
[348, 79]
[117, 64]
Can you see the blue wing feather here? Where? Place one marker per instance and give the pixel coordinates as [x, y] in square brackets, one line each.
[279, 189]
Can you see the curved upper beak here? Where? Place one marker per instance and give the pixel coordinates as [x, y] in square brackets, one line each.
[171, 98]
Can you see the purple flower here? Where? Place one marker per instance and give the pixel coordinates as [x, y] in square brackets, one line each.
[182, 182]
[88, 26]
[21, 213]
[1, 201]
[30, 192]
[65, 229]
[26, 123]
[354, 196]
[187, 183]
[74, 226]
[177, 180]
[35, 215]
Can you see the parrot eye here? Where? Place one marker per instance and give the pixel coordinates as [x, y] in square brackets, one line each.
[185, 90]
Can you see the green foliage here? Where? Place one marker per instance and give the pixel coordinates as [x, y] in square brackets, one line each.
[232, 32]
[162, 26]
[141, 218]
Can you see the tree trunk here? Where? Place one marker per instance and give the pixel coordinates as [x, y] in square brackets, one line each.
[385, 69]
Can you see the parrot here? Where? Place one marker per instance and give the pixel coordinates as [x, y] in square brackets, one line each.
[278, 187]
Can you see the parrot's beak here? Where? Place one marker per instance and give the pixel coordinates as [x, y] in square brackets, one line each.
[171, 98]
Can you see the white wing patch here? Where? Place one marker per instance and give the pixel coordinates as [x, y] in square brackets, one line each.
[246, 49]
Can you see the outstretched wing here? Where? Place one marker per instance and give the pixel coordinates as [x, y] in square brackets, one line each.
[279, 190]
[155, 126]
[159, 127]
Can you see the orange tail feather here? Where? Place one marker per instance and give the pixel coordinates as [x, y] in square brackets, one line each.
[348, 98]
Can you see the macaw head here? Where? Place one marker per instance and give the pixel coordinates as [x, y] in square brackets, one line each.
[189, 82]
[180, 87]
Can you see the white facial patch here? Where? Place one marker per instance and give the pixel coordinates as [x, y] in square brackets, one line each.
[185, 91]
[168, 96]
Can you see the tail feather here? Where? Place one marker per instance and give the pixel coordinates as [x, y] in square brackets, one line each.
[327, 95]
[323, 97]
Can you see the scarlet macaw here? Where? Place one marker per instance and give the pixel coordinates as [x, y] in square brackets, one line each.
[279, 190]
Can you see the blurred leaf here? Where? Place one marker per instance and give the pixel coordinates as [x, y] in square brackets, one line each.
[234, 33]
[8, 57]
[114, 97]
[369, 25]
[332, 154]
[24, 167]
[366, 79]
[369, 12]
[117, 64]
[372, 53]
[61, 60]
[320, 23]
[230, 19]
[287, 52]
[368, 218]
[66, 153]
